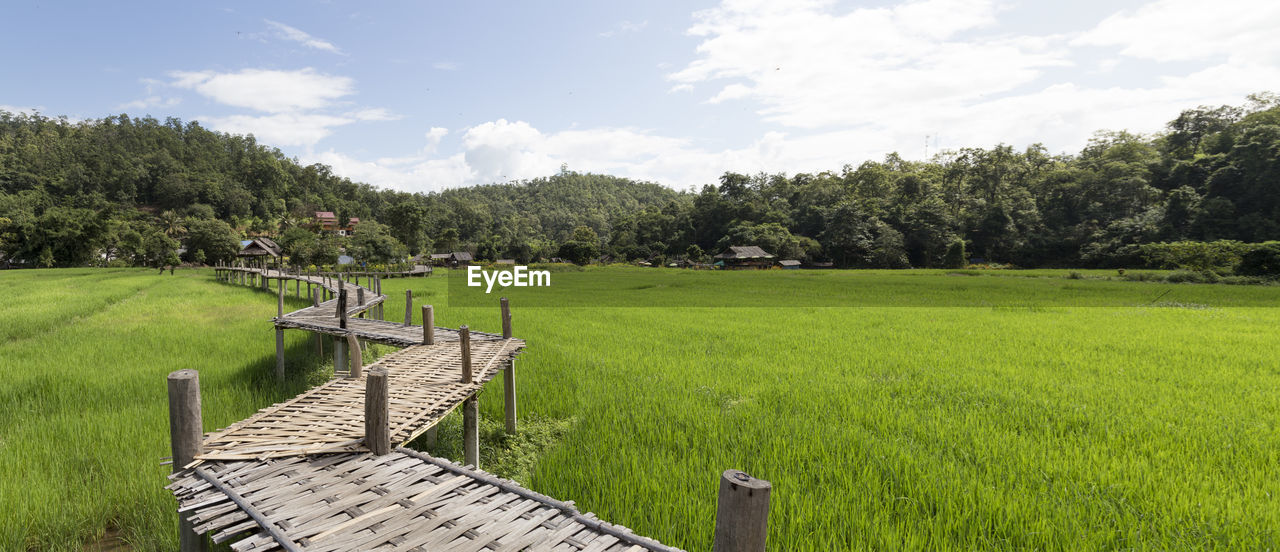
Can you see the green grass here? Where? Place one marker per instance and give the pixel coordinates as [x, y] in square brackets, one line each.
[1148, 425]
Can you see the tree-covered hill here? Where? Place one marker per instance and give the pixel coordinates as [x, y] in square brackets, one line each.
[74, 193]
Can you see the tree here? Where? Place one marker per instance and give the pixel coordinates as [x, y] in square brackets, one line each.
[955, 257]
[579, 252]
[372, 242]
[217, 239]
[158, 250]
[296, 243]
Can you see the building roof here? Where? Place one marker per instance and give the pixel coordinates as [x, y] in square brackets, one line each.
[744, 252]
[326, 215]
[260, 246]
[789, 262]
[505, 261]
[460, 256]
[439, 255]
[353, 220]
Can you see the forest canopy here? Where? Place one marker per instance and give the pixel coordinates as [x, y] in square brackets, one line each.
[126, 189]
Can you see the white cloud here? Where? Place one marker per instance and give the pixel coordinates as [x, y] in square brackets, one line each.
[624, 28]
[948, 67]
[17, 110]
[372, 114]
[811, 68]
[280, 129]
[446, 66]
[297, 35]
[502, 150]
[150, 102]
[1193, 30]
[267, 90]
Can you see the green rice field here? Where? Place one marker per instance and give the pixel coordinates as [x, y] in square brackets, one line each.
[911, 410]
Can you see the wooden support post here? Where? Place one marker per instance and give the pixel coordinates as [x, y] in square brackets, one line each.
[432, 435]
[342, 308]
[742, 513]
[315, 302]
[340, 354]
[279, 298]
[428, 325]
[471, 430]
[186, 434]
[360, 296]
[357, 359]
[279, 353]
[464, 339]
[377, 416]
[377, 283]
[508, 375]
[408, 307]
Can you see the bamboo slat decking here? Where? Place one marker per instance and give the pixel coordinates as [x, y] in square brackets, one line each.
[404, 500]
[425, 383]
[299, 476]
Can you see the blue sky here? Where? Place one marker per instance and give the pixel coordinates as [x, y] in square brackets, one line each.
[423, 96]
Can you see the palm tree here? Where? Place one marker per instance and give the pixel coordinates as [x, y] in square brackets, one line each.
[171, 223]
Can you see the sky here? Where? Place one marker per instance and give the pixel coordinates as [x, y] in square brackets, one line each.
[423, 96]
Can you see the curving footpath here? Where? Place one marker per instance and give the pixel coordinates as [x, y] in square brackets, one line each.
[304, 475]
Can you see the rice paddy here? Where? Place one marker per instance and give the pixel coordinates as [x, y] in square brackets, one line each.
[1151, 422]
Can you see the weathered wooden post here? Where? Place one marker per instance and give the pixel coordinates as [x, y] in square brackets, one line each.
[464, 339]
[357, 359]
[431, 435]
[408, 307]
[360, 296]
[340, 354]
[342, 308]
[315, 302]
[742, 513]
[377, 415]
[377, 283]
[428, 325]
[186, 432]
[280, 331]
[508, 375]
[471, 406]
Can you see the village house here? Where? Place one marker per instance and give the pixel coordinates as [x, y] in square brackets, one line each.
[327, 221]
[744, 257]
[789, 264]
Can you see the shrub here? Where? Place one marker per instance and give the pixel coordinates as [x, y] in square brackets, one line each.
[955, 255]
[1192, 277]
[1261, 260]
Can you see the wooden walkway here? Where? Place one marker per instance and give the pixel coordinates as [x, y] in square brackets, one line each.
[405, 500]
[425, 384]
[299, 476]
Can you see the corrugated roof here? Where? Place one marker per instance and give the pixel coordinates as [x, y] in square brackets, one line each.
[744, 252]
[326, 215]
[460, 256]
[789, 262]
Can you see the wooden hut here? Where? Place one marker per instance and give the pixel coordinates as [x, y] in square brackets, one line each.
[459, 258]
[789, 264]
[745, 256]
[261, 252]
